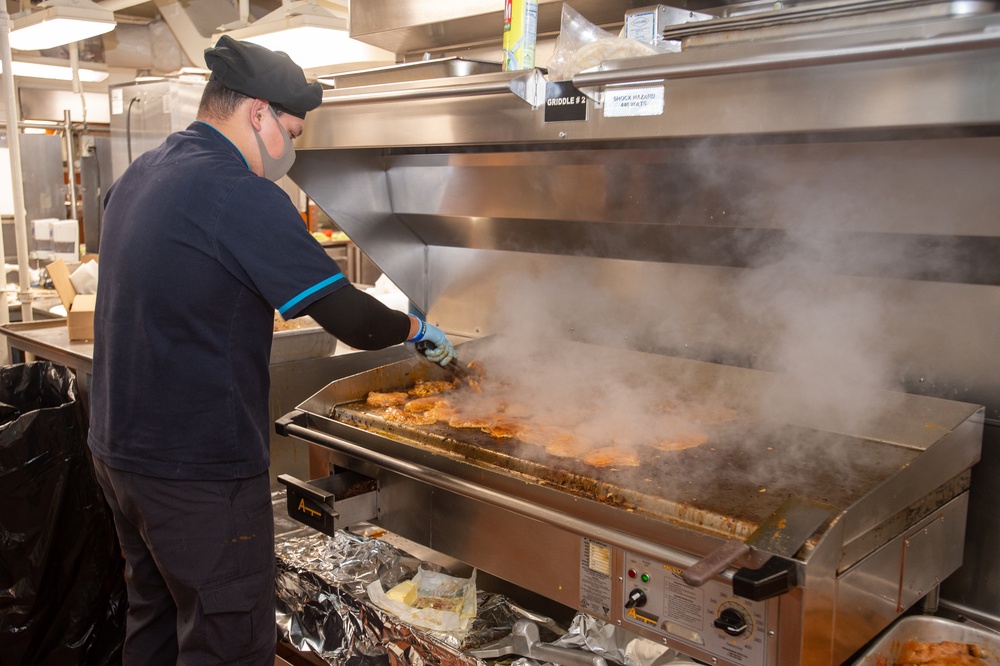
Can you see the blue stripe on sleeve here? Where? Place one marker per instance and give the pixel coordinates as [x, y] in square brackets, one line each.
[309, 292]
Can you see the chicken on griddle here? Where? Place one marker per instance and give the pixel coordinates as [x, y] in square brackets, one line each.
[397, 415]
[426, 403]
[376, 399]
[612, 456]
[678, 441]
[425, 388]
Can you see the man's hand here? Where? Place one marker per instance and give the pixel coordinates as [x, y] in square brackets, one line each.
[435, 344]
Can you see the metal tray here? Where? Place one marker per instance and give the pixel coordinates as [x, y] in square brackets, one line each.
[928, 629]
[310, 341]
[412, 71]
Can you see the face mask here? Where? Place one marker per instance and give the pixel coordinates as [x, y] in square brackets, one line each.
[276, 167]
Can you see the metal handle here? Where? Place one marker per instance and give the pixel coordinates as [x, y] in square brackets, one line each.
[290, 426]
[714, 563]
[307, 489]
[455, 90]
[773, 61]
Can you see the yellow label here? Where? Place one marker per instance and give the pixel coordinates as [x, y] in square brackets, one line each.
[520, 26]
[633, 614]
[304, 509]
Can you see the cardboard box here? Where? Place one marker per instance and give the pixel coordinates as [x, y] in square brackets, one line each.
[79, 307]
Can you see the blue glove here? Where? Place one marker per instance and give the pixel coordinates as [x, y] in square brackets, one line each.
[438, 347]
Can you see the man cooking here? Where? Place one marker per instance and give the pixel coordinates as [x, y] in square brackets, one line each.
[199, 248]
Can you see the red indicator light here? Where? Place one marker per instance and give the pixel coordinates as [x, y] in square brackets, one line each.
[631, 573]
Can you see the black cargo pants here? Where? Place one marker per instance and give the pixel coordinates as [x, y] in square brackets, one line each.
[199, 568]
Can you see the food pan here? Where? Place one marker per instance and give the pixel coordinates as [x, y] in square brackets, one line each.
[308, 340]
[929, 629]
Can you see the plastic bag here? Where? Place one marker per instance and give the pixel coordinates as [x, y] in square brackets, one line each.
[582, 45]
[62, 587]
[444, 604]
[84, 278]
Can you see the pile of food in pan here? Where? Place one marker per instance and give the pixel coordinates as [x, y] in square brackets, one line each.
[944, 653]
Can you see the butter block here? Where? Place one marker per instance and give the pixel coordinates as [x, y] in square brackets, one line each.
[405, 592]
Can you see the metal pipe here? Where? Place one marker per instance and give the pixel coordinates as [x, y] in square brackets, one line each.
[501, 500]
[70, 159]
[454, 90]
[774, 61]
[53, 126]
[14, 145]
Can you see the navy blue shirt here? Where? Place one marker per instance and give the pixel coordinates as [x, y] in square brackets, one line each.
[197, 252]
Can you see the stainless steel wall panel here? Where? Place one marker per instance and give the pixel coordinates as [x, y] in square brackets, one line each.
[539, 559]
[351, 187]
[884, 186]
[971, 589]
[895, 577]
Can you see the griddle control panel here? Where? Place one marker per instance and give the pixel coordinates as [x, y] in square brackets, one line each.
[710, 619]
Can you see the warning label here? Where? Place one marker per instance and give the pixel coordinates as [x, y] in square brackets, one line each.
[595, 577]
[632, 102]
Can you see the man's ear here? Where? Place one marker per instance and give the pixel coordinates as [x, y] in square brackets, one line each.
[256, 111]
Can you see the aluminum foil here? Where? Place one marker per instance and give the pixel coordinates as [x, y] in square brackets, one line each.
[322, 606]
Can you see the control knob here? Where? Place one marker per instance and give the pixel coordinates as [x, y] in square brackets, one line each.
[731, 621]
[636, 599]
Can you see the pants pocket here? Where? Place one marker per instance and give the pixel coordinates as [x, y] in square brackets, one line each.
[238, 624]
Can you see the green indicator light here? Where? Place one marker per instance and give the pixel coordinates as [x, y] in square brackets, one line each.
[645, 577]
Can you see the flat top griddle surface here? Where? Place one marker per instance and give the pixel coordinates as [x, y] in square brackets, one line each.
[730, 484]
[767, 440]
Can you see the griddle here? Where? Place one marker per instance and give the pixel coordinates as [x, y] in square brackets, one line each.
[749, 479]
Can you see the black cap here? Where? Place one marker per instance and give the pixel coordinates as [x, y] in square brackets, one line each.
[263, 74]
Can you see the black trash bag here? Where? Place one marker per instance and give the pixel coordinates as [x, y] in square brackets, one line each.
[62, 588]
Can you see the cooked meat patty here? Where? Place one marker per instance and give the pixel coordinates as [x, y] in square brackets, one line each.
[376, 399]
[612, 456]
[424, 404]
[441, 414]
[503, 429]
[557, 441]
[397, 415]
[680, 441]
[465, 421]
[422, 388]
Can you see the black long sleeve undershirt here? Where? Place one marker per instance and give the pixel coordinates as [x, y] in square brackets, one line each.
[359, 319]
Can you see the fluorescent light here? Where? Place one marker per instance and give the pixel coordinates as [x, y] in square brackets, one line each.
[59, 22]
[311, 46]
[310, 35]
[39, 70]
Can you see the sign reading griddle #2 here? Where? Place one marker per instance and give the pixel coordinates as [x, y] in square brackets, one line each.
[563, 102]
